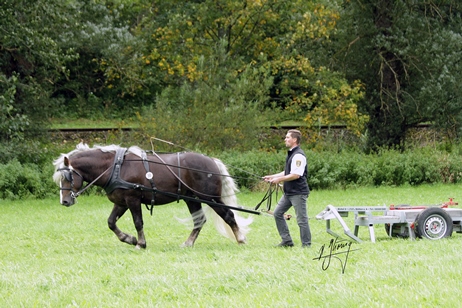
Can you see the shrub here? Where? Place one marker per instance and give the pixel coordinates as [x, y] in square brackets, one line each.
[449, 168]
[25, 152]
[24, 181]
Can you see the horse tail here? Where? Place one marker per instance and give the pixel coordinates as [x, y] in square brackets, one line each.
[228, 197]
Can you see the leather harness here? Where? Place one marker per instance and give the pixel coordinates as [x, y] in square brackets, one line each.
[115, 182]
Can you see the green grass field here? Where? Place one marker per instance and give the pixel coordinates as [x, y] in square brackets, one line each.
[52, 256]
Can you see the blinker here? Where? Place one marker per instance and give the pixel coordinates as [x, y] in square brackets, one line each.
[68, 176]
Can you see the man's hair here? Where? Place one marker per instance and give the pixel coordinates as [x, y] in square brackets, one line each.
[296, 134]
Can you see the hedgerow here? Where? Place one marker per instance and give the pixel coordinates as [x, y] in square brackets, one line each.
[327, 170]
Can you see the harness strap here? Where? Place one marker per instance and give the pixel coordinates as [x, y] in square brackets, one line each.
[149, 176]
[114, 180]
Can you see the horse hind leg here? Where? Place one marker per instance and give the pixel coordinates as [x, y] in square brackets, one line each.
[117, 212]
[232, 229]
[198, 219]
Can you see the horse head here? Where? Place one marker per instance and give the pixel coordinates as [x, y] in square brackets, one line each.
[69, 179]
[70, 183]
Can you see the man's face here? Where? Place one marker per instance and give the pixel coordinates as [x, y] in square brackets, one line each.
[290, 142]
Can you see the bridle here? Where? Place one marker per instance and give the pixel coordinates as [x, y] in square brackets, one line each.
[67, 173]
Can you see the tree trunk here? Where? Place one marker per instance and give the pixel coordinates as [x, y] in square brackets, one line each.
[387, 122]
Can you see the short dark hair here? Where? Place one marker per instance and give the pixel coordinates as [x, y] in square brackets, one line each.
[296, 134]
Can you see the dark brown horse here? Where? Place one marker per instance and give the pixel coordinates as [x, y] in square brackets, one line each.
[131, 178]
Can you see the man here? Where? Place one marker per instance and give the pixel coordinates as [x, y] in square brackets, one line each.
[296, 191]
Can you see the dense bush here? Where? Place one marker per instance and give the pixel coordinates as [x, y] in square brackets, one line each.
[26, 169]
[25, 152]
[18, 181]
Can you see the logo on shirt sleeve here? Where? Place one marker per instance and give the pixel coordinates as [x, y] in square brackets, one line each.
[298, 163]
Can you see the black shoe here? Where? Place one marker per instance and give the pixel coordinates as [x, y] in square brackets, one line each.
[282, 244]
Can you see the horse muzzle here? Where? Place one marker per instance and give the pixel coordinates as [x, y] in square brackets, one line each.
[68, 200]
[67, 203]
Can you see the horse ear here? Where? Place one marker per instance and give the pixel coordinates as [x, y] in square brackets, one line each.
[66, 161]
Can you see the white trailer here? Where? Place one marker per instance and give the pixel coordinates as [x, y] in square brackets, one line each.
[431, 222]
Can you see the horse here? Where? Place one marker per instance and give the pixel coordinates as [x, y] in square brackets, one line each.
[132, 177]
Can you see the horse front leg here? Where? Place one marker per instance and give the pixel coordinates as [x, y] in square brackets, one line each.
[137, 215]
[199, 220]
[117, 212]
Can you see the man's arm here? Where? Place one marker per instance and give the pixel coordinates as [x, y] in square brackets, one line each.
[280, 177]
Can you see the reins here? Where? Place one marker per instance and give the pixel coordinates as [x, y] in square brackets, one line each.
[90, 184]
[268, 197]
[179, 179]
[189, 150]
[273, 188]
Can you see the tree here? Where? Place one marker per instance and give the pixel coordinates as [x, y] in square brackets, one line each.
[407, 53]
[100, 35]
[31, 61]
[12, 123]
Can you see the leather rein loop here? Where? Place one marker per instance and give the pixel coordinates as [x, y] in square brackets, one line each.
[268, 197]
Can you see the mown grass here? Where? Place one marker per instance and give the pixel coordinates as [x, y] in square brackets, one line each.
[52, 256]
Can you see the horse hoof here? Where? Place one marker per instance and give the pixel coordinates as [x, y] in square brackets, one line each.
[129, 239]
[140, 246]
[186, 244]
[242, 239]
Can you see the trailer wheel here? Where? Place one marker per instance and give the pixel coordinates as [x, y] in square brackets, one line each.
[433, 223]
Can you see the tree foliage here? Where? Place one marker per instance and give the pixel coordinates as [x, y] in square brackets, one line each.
[31, 60]
[221, 110]
[408, 54]
[100, 36]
